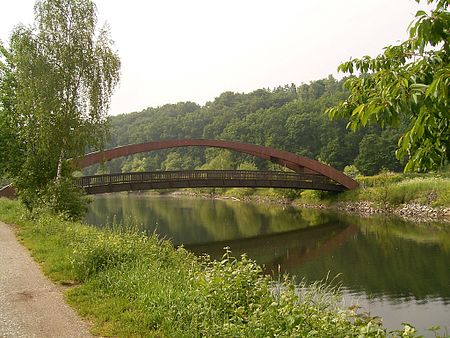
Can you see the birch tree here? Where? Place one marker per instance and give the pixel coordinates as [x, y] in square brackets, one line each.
[65, 70]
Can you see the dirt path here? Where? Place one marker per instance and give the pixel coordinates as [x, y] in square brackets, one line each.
[31, 305]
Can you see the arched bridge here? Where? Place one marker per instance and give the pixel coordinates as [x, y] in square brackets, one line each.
[100, 184]
[308, 173]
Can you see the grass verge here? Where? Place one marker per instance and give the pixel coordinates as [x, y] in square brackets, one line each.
[130, 285]
[391, 189]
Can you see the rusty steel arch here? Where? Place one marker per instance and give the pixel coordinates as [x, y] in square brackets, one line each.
[299, 164]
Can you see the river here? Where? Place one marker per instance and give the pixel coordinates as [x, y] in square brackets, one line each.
[394, 269]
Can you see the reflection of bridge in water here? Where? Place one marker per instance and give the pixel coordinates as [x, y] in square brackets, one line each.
[287, 250]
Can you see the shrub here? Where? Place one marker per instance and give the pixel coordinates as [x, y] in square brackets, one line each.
[352, 171]
[315, 196]
[61, 198]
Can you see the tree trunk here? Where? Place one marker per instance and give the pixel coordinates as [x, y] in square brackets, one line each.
[60, 163]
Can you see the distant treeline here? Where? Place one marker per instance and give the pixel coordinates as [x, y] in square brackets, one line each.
[291, 118]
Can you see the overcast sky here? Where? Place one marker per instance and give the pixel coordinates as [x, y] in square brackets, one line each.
[178, 50]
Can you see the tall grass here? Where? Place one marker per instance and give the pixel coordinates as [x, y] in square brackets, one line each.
[389, 189]
[131, 285]
[431, 191]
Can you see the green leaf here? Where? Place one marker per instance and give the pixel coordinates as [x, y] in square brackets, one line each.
[406, 77]
[433, 88]
[358, 109]
[420, 13]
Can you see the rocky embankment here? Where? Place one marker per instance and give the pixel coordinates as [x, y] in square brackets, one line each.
[411, 211]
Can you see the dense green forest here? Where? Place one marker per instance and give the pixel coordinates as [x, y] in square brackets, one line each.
[289, 117]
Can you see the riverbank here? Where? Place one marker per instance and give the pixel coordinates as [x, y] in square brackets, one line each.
[411, 196]
[414, 197]
[131, 285]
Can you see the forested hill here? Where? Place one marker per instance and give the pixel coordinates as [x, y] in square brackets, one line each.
[291, 118]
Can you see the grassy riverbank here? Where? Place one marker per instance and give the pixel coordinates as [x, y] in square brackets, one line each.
[131, 285]
[386, 190]
[414, 196]
[395, 189]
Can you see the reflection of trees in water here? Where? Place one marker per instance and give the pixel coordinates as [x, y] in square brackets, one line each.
[389, 257]
[249, 221]
[102, 206]
[431, 232]
[216, 218]
[196, 220]
[177, 221]
[313, 217]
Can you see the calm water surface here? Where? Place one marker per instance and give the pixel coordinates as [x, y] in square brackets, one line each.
[396, 270]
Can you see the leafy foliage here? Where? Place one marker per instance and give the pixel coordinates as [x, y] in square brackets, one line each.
[408, 82]
[56, 79]
[376, 153]
[10, 147]
[60, 197]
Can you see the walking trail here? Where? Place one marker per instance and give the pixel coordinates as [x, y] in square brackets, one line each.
[31, 305]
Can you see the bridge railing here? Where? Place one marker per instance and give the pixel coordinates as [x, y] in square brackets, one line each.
[189, 175]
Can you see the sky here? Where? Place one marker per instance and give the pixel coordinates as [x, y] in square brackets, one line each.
[178, 50]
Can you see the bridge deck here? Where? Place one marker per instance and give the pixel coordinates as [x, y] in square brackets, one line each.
[99, 184]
